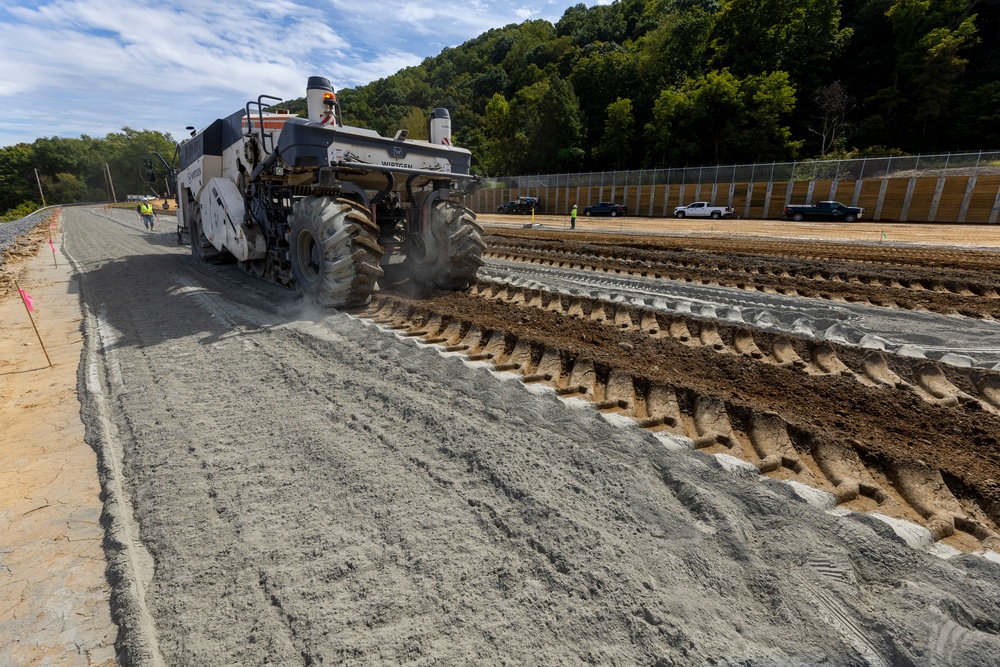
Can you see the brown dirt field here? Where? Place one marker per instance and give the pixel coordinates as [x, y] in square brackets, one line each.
[973, 236]
[890, 431]
[55, 597]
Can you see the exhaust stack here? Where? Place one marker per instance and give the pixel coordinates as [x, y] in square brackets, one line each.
[321, 101]
[440, 130]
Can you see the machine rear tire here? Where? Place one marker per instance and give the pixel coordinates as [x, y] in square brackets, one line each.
[453, 264]
[334, 251]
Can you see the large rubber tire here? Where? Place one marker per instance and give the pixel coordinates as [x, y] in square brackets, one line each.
[798, 217]
[453, 264]
[334, 251]
[716, 215]
[679, 214]
[201, 248]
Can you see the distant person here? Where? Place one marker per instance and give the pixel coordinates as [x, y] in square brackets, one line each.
[572, 218]
[146, 212]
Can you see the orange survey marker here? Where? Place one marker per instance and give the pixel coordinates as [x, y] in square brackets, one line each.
[29, 305]
[52, 245]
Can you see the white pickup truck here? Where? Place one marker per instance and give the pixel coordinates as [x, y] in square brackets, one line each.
[702, 209]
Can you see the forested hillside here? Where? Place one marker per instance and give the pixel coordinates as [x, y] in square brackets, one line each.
[650, 83]
[643, 83]
[78, 169]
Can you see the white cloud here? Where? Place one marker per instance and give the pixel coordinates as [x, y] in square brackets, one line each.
[91, 67]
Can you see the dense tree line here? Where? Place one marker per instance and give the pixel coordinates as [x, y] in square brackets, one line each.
[645, 83]
[649, 83]
[79, 170]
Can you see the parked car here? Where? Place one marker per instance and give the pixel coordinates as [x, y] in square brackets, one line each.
[605, 208]
[825, 210]
[702, 209]
[521, 206]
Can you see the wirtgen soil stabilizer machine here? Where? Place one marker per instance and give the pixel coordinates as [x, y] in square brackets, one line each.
[327, 209]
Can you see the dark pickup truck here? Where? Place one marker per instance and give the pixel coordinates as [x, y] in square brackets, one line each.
[825, 210]
[521, 206]
[605, 208]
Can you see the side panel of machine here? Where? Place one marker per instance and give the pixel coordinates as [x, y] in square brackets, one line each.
[191, 181]
[222, 214]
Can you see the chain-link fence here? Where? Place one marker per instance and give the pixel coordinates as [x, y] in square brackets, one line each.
[946, 164]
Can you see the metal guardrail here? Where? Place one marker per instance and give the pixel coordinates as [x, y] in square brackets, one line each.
[945, 164]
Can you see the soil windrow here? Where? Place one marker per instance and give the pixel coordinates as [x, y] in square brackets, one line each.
[884, 426]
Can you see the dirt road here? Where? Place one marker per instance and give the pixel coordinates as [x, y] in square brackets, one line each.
[54, 597]
[292, 486]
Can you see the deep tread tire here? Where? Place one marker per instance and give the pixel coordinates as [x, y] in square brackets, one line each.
[459, 252]
[334, 251]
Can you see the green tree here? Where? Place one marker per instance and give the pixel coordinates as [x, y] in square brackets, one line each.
[587, 25]
[22, 210]
[978, 114]
[550, 114]
[719, 118]
[415, 122]
[603, 73]
[17, 176]
[355, 105]
[667, 142]
[796, 36]
[675, 49]
[930, 40]
[504, 143]
[769, 101]
[64, 188]
[619, 130]
[124, 151]
[516, 63]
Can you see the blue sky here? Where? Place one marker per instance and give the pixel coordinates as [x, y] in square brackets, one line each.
[73, 67]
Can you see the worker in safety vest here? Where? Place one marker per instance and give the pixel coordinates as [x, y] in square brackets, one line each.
[146, 212]
[572, 218]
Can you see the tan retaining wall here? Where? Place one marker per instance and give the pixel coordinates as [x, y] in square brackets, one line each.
[963, 199]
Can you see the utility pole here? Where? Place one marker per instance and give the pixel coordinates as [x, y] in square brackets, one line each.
[39, 180]
[107, 183]
[108, 171]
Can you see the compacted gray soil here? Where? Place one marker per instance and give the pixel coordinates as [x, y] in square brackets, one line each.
[294, 486]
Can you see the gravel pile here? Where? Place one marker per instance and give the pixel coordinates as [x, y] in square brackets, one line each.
[9, 231]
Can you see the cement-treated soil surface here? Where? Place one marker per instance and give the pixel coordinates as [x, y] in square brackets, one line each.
[312, 489]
